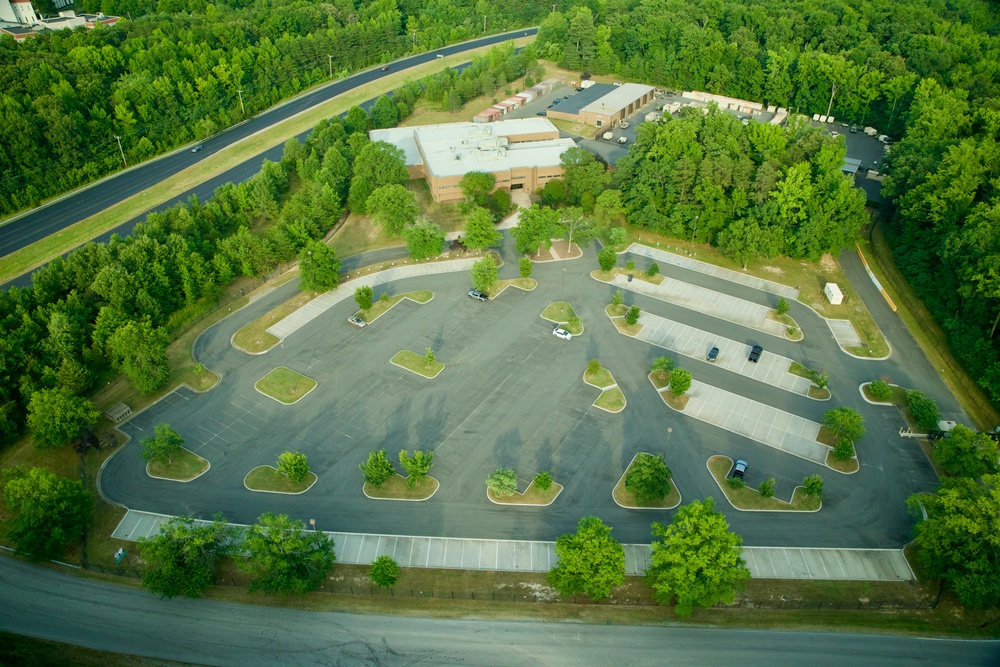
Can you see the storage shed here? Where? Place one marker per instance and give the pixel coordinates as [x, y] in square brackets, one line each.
[833, 294]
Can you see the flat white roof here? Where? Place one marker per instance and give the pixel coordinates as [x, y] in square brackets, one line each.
[455, 149]
[618, 99]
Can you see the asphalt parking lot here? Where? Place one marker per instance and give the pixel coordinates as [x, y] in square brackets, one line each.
[512, 395]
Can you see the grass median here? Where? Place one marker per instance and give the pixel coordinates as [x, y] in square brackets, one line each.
[397, 487]
[749, 499]
[269, 479]
[285, 385]
[530, 496]
[184, 467]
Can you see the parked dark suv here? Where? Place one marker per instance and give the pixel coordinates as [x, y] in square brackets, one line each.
[739, 469]
[755, 353]
[713, 354]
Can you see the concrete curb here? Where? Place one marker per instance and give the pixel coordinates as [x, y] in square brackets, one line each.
[503, 504]
[280, 493]
[278, 400]
[740, 509]
[182, 481]
[405, 500]
[680, 497]
[426, 377]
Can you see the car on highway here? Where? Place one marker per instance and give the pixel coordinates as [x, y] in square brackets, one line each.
[385, 68]
[559, 332]
[624, 125]
[476, 294]
[540, 113]
[739, 469]
[357, 321]
[755, 353]
[713, 354]
[197, 149]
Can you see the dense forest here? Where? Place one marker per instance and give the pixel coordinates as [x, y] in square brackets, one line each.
[187, 69]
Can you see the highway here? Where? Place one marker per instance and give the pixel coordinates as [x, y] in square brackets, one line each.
[51, 605]
[81, 204]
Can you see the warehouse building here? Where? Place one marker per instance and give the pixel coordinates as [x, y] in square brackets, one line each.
[522, 154]
[603, 105]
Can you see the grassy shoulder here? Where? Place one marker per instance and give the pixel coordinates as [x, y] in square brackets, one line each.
[561, 312]
[397, 488]
[749, 499]
[184, 467]
[254, 339]
[626, 498]
[382, 306]
[268, 479]
[285, 385]
[530, 496]
[417, 363]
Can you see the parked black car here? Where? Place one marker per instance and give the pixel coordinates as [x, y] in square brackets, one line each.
[713, 354]
[755, 353]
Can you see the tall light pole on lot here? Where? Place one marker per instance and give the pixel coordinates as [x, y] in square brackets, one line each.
[484, 25]
[694, 235]
[312, 522]
[669, 431]
[242, 108]
[563, 298]
[121, 150]
[329, 58]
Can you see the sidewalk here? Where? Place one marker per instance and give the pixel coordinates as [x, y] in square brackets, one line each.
[709, 302]
[525, 556]
[327, 300]
[772, 369]
[769, 426]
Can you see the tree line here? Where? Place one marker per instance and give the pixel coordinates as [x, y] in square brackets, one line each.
[181, 70]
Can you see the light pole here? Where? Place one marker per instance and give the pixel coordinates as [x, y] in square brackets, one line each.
[484, 25]
[120, 149]
[564, 284]
[669, 431]
[694, 236]
[312, 522]
[242, 108]
[330, 59]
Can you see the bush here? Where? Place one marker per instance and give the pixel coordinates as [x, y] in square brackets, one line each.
[814, 485]
[630, 265]
[736, 483]
[782, 306]
[653, 269]
[617, 298]
[617, 236]
[543, 481]
[844, 450]
[632, 316]
[766, 488]
[503, 482]
[525, 265]
[384, 571]
[680, 381]
[293, 465]
[924, 409]
[607, 259]
[378, 468]
[662, 365]
[880, 390]
[593, 366]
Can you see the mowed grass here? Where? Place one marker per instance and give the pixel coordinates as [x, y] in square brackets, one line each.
[184, 467]
[417, 363]
[626, 498]
[397, 488]
[526, 284]
[612, 400]
[253, 338]
[748, 498]
[601, 379]
[268, 478]
[285, 385]
[562, 312]
[381, 306]
[531, 495]
[848, 466]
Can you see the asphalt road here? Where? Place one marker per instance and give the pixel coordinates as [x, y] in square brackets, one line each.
[51, 605]
[512, 395]
[81, 204]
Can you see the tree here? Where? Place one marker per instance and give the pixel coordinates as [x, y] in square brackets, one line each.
[766, 488]
[653, 269]
[181, 559]
[384, 571]
[535, 229]
[485, 274]
[294, 466]
[662, 365]
[575, 224]
[607, 258]
[696, 559]
[384, 113]
[378, 468]
[393, 207]
[424, 240]
[377, 164]
[880, 390]
[632, 316]
[617, 298]
[429, 357]
[49, 513]
[814, 486]
[844, 449]
[319, 268]
[281, 557]
[525, 266]
[593, 366]
[782, 306]
[958, 541]
[139, 350]
[845, 422]
[924, 409]
[648, 478]
[542, 481]
[584, 176]
[966, 453]
[477, 186]
[502, 482]
[680, 381]
[591, 562]
[416, 466]
[363, 297]
[480, 232]
[163, 446]
[55, 416]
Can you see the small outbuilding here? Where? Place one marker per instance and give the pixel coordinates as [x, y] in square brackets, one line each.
[833, 294]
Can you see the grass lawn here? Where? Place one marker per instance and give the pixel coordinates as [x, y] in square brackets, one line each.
[790, 324]
[396, 488]
[254, 339]
[526, 284]
[815, 391]
[612, 400]
[285, 385]
[380, 306]
[616, 311]
[827, 437]
[673, 400]
[898, 395]
[601, 379]
[660, 379]
[608, 276]
[627, 329]
[186, 466]
[848, 466]
[561, 312]
[417, 363]
[267, 478]
[626, 498]
[749, 498]
[531, 496]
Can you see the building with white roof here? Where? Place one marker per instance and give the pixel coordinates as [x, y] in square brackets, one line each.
[603, 105]
[522, 153]
[19, 19]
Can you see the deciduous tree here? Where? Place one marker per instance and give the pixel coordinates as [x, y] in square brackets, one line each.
[966, 453]
[424, 240]
[55, 417]
[393, 207]
[48, 513]
[319, 268]
[591, 562]
[485, 274]
[648, 478]
[480, 232]
[181, 559]
[139, 350]
[282, 557]
[294, 466]
[680, 381]
[384, 571]
[502, 482]
[845, 422]
[163, 446]
[363, 297]
[416, 466]
[378, 468]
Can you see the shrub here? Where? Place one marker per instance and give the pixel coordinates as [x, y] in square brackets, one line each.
[617, 236]
[503, 482]
[593, 366]
[766, 488]
[607, 259]
[782, 306]
[378, 468]
[814, 485]
[653, 269]
[384, 571]
[924, 409]
[525, 265]
[880, 390]
[632, 316]
[543, 481]
[844, 450]
[293, 465]
[617, 298]
[736, 483]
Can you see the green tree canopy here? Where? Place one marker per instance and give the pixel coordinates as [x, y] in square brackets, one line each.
[966, 453]
[696, 559]
[502, 482]
[293, 465]
[525, 266]
[418, 465]
[363, 297]
[680, 381]
[282, 557]
[607, 258]
[393, 207]
[648, 478]
[591, 562]
[377, 468]
[384, 571]
[55, 417]
[485, 274]
[845, 422]
[139, 350]
[923, 408]
[384, 113]
[424, 240]
[48, 513]
[535, 229]
[378, 164]
[163, 446]
[480, 231]
[319, 268]
[181, 559]
[477, 186]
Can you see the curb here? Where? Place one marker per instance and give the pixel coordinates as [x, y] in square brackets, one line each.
[278, 400]
[502, 504]
[182, 481]
[740, 509]
[405, 500]
[680, 498]
[280, 493]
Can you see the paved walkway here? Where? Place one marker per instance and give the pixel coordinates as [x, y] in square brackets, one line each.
[327, 300]
[713, 270]
[769, 426]
[709, 302]
[525, 556]
[772, 369]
